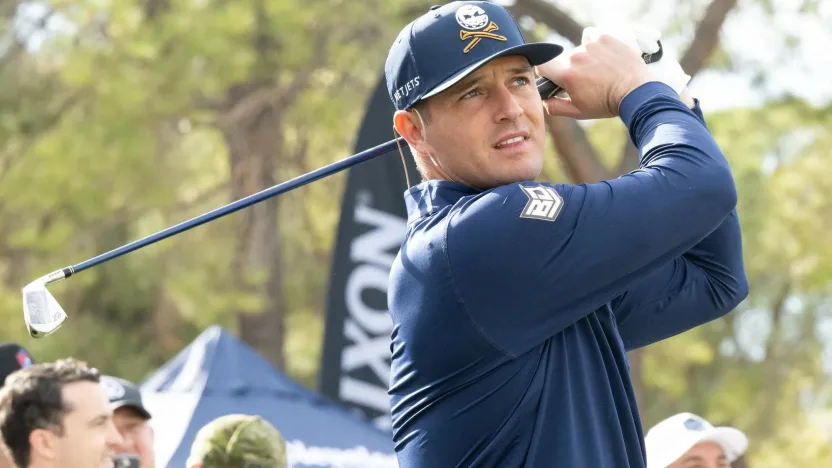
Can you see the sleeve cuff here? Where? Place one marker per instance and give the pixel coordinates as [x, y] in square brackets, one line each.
[639, 96]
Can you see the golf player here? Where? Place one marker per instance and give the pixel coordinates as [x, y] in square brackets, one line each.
[514, 301]
[686, 440]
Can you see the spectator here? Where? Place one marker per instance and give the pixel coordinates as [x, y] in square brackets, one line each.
[131, 419]
[56, 415]
[686, 440]
[238, 441]
[13, 357]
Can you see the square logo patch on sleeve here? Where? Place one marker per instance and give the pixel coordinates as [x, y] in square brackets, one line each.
[544, 203]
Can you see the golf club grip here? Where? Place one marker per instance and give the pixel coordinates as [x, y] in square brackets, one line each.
[548, 89]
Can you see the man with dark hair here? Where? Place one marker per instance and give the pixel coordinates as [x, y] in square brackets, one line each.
[57, 415]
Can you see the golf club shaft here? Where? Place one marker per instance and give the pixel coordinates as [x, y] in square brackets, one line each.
[284, 187]
[546, 88]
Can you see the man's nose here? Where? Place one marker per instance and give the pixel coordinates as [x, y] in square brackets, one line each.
[114, 438]
[507, 106]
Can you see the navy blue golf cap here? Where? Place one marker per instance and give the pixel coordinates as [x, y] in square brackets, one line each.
[450, 42]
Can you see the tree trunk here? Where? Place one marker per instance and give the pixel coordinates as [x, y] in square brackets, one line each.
[579, 158]
[252, 142]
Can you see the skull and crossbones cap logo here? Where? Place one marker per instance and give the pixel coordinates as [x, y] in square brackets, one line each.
[471, 17]
[451, 41]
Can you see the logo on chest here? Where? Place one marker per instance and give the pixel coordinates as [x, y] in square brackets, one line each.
[544, 203]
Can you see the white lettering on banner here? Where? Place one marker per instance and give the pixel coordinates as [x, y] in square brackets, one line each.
[367, 329]
[361, 279]
[299, 454]
[367, 351]
[377, 246]
[370, 396]
[384, 422]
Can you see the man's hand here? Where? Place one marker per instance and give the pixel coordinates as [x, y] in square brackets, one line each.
[597, 75]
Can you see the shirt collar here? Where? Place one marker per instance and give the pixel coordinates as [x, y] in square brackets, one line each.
[433, 195]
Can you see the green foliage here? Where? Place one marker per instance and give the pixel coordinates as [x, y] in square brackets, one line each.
[113, 130]
[766, 354]
[117, 127]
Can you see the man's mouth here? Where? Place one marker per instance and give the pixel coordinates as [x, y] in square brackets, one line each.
[512, 139]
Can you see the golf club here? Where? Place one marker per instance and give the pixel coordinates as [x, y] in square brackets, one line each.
[43, 314]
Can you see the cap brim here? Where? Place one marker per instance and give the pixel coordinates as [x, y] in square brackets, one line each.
[538, 53]
[127, 404]
[732, 441]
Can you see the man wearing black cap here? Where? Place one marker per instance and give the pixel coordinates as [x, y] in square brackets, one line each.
[514, 301]
[13, 357]
[131, 419]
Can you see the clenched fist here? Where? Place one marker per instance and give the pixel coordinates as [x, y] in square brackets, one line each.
[597, 75]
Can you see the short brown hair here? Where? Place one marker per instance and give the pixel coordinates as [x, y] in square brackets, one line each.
[32, 399]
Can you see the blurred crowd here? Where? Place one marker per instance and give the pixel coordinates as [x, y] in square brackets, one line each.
[64, 414]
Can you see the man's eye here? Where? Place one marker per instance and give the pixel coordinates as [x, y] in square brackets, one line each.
[521, 81]
[473, 93]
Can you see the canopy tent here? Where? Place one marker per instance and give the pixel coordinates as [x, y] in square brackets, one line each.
[218, 374]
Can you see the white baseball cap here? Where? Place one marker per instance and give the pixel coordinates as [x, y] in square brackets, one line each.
[668, 440]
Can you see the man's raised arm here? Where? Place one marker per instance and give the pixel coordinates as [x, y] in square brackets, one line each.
[565, 250]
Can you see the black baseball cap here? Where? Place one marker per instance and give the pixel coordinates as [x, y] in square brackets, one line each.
[13, 357]
[123, 393]
[450, 42]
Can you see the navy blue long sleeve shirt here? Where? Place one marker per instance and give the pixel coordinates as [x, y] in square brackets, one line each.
[513, 307]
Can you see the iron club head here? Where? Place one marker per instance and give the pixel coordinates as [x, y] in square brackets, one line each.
[42, 313]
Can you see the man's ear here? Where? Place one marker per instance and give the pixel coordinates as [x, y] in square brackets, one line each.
[43, 443]
[409, 127]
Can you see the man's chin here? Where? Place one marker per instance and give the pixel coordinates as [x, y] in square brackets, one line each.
[516, 178]
[524, 173]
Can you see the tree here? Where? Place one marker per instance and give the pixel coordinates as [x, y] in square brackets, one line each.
[123, 118]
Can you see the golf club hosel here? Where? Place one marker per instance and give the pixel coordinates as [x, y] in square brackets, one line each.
[59, 275]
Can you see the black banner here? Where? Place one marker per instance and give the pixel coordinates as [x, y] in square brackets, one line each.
[356, 356]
